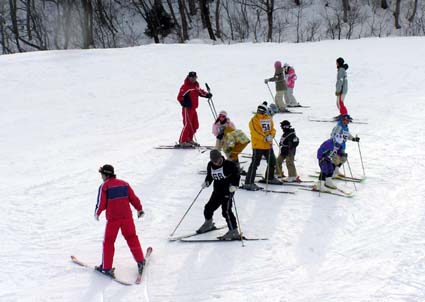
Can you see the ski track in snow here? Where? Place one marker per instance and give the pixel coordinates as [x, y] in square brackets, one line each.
[65, 113]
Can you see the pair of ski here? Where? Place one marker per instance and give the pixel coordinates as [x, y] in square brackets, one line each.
[115, 278]
[286, 112]
[304, 183]
[333, 120]
[179, 147]
[261, 189]
[192, 237]
[336, 192]
[342, 177]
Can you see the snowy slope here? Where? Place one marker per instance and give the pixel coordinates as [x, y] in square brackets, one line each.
[63, 114]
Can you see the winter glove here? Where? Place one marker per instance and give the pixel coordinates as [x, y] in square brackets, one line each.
[232, 189]
[220, 136]
[268, 138]
[140, 214]
[96, 217]
[266, 81]
[205, 184]
[337, 93]
[356, 139]
[208, 95]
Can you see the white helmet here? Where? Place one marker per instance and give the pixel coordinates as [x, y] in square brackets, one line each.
[338, 139]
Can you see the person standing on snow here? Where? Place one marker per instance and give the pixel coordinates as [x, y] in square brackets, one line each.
[188, 98]
[226, 177]
[115, 197]
[262, 133]
[325, 155]
[290, 77]
[281, 86]
[219, 126]
[341, 128]
[341, 86]
[288, 146]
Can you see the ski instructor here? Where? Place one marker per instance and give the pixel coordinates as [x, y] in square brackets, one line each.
[115, 196]
[188, 99]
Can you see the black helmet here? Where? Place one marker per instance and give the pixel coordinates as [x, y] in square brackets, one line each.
[285, 124]
[107, 170]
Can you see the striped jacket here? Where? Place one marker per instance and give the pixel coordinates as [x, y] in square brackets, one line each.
[115, 196]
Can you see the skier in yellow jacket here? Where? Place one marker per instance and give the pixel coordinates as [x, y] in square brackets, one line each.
[262, 131]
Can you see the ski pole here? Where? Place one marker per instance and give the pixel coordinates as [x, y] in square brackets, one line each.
[361, 158]
[211, 103]
[271, 93]
[237, 219]
[343, 168]
[212, 108]
[268, 166]
[186, 212]
[349, 168]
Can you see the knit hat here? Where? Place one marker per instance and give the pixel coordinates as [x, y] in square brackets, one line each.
[262, 108]
[215, 155]
[277, 64]
[107, 170]
[192, 74]
[222, 112]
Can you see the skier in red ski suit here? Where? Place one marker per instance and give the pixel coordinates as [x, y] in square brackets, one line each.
[115, 196]
[188, 98]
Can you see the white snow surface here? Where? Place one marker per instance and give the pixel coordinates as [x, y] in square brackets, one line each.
[65, 113]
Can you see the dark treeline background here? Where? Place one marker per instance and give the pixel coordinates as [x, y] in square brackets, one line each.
[29, 25]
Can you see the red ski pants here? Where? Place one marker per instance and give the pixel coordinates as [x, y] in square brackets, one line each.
[190, 124]
[340, 104]
[128, 230]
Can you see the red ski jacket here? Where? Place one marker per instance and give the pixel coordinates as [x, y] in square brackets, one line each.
[189, 93]
[115, 196]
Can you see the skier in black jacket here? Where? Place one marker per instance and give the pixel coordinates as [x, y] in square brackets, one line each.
[226, 177]
[288, 146]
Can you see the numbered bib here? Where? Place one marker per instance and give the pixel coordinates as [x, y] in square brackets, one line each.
[266, 125]
[217, 174]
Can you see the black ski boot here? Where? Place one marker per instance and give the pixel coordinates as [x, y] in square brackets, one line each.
[108, 272]
[141, 266]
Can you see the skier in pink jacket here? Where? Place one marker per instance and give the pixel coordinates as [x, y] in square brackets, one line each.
[219, 126]
[290, 77]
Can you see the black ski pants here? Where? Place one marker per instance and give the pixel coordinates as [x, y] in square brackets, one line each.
[225, 201]
[257, 155]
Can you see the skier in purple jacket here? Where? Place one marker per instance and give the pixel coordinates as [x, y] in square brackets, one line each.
[327, 150]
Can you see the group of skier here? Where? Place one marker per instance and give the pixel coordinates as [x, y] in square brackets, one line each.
[115, 195]
[331, 154]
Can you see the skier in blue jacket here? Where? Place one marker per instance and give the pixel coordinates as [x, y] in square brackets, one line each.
[341, 128]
